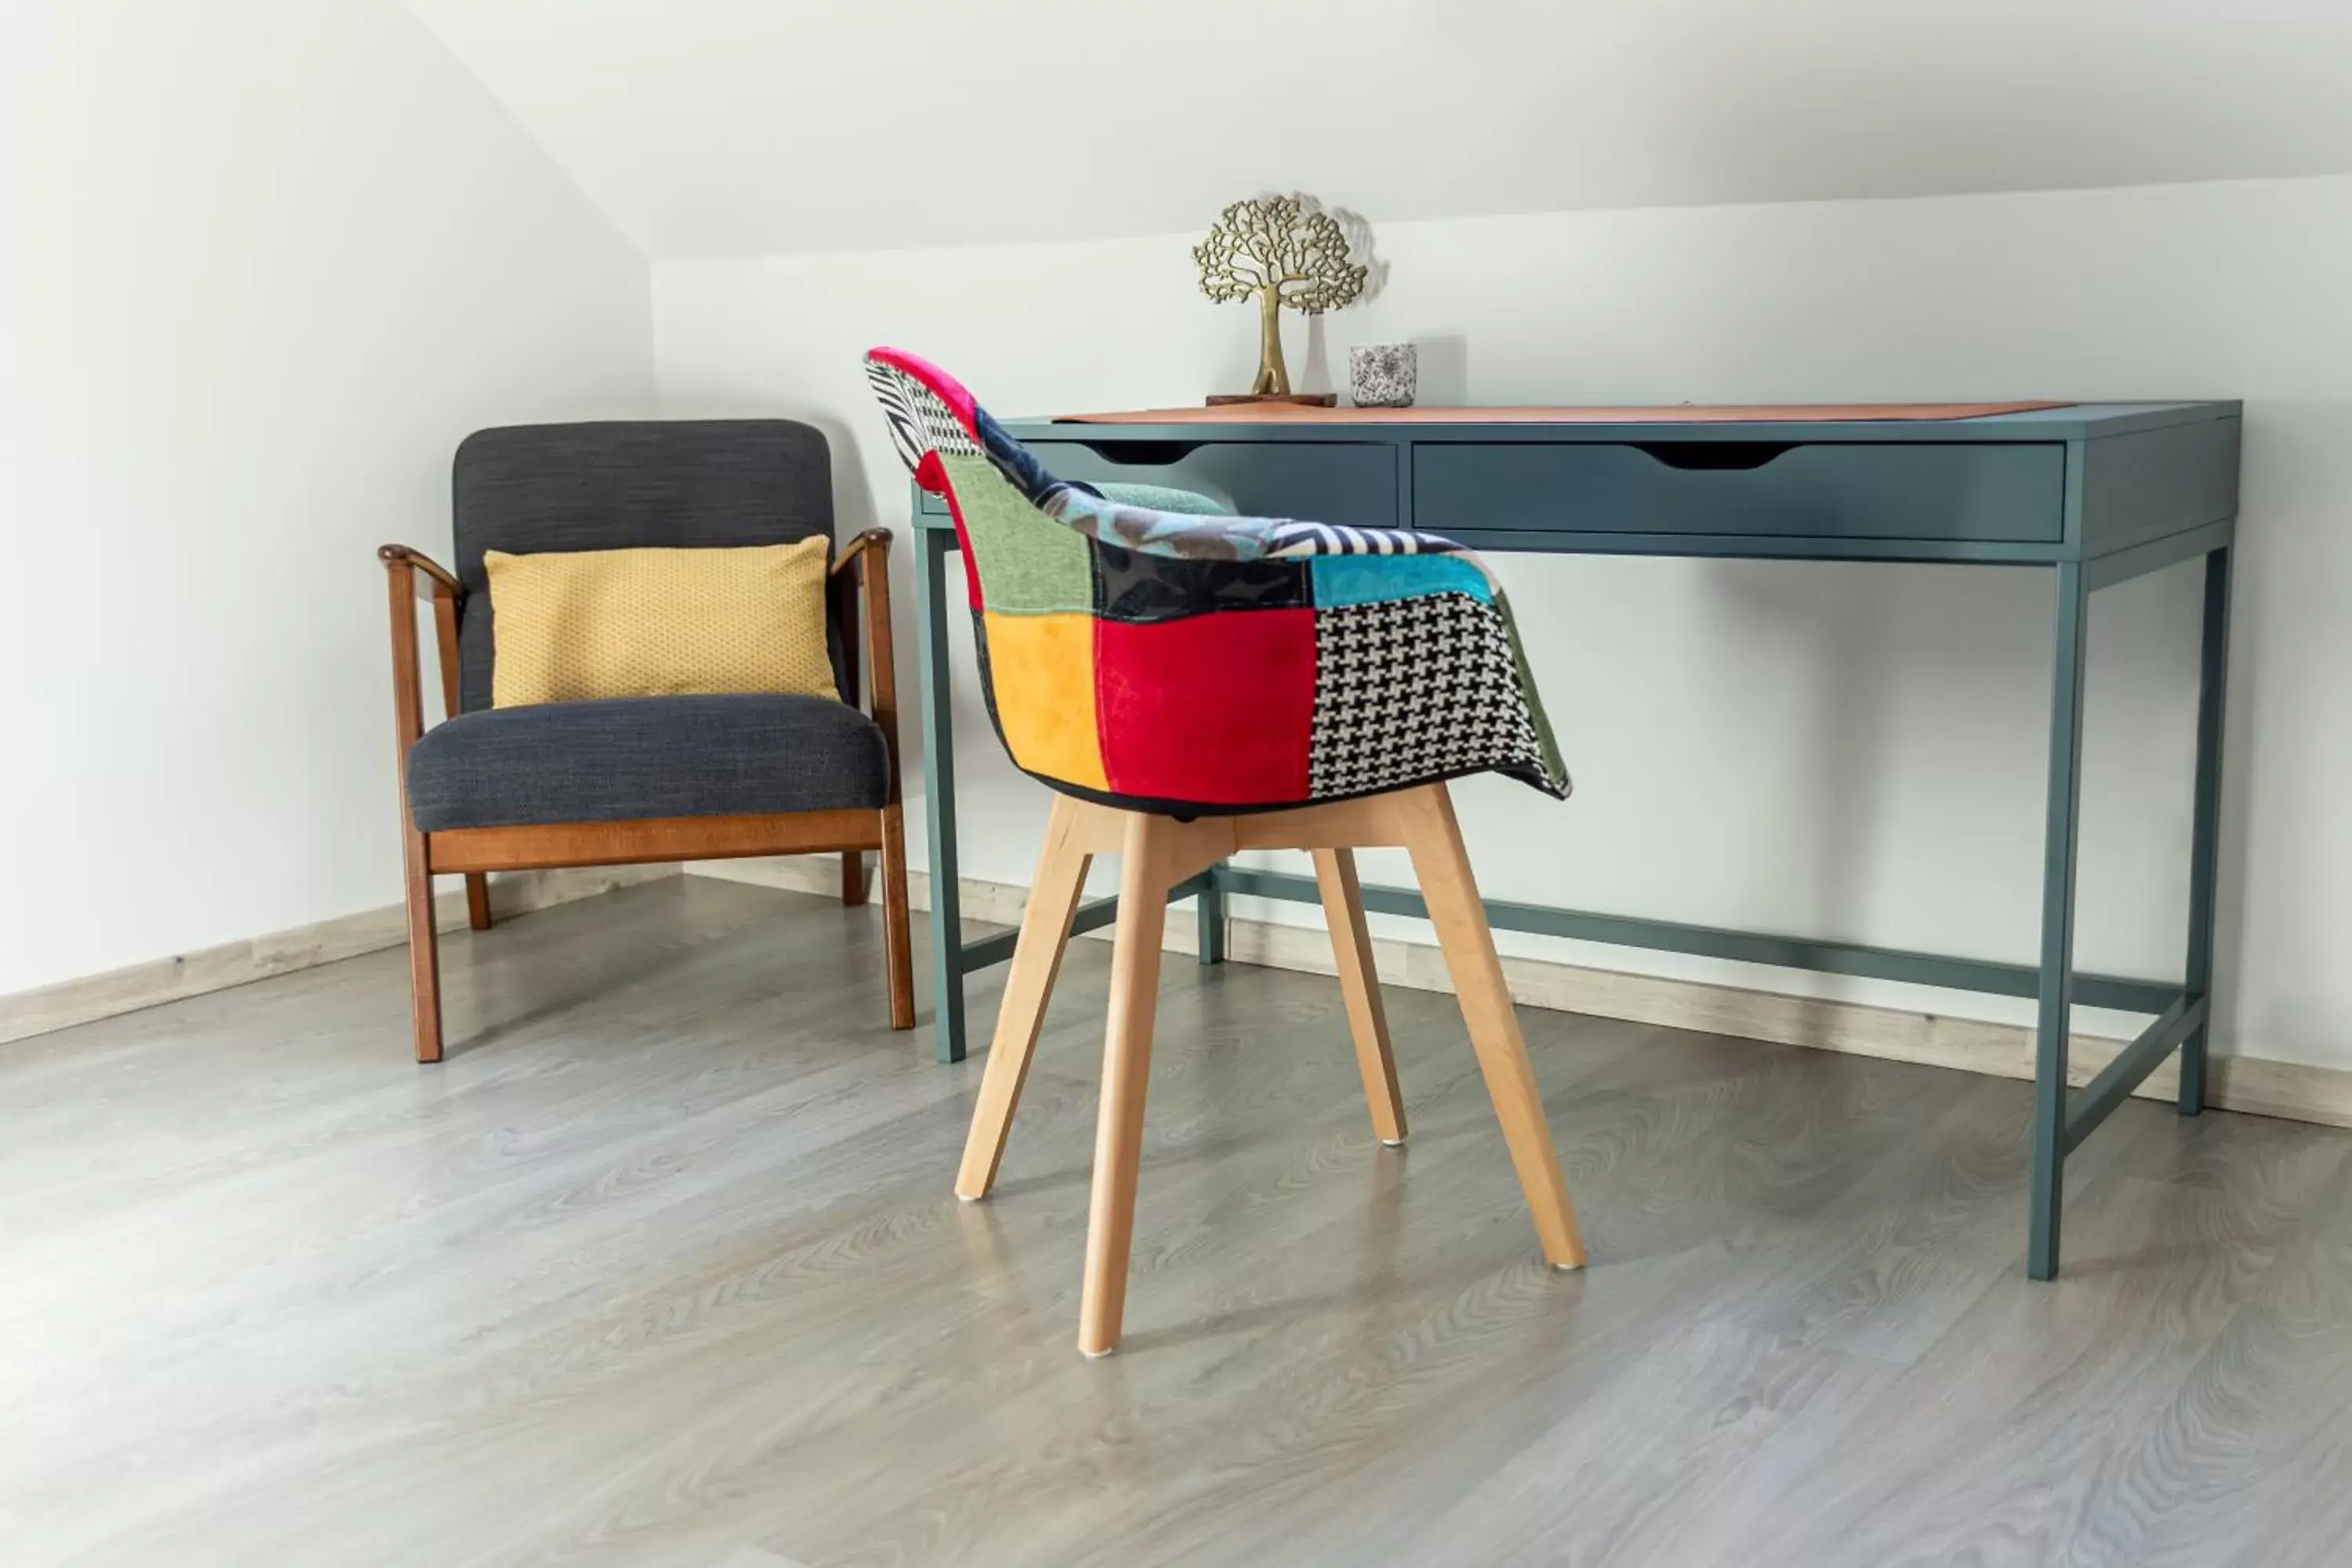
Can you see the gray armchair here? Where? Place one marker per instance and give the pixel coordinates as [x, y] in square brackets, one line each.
[640, 779]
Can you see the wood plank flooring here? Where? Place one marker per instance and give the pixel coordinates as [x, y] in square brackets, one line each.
[663, 1266]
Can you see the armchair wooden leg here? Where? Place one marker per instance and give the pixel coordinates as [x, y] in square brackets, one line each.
[1028, 986]
[1439, 861]
[1359, 984]
[424, 951]
[853, 878]
[478, 900]
[1144, 884]
[898, 955]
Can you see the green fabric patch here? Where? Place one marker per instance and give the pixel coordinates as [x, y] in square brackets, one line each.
[1029, 565]
[1554, 767]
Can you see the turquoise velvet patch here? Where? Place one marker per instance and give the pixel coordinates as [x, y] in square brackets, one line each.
[1374, 579]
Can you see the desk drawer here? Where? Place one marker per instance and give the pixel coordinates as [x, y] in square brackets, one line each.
[1334, 481]
[1889, 490]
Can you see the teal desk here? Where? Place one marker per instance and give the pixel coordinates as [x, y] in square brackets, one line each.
[2090, 495]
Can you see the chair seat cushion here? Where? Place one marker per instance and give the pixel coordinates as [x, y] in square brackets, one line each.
[630, 757]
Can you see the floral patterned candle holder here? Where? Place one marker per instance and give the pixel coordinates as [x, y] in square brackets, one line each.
[1382, 375]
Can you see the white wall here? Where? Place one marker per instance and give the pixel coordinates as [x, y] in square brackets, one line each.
[1842, 750]
[807, 125]
[262, 263]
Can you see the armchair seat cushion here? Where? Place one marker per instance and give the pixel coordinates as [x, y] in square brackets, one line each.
[629, 757]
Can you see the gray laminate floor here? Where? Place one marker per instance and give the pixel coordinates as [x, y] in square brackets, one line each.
[662, 1267]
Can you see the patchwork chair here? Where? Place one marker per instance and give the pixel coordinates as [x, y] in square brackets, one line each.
[640, 779]
[1193, 684]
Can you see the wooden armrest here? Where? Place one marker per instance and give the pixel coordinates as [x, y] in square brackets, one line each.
[411, 573]
[876, 539]
[871, 551]
[436, 581]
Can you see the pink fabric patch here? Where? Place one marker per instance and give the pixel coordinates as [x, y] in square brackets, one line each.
[963, 539]
[932, 474]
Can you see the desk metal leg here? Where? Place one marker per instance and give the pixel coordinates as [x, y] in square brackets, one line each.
[2058, 921]
[931, 550]
[2205, 833]
[1208, 909]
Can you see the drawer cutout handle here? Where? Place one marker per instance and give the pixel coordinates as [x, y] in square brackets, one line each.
[1142, 454]
[1715, 456]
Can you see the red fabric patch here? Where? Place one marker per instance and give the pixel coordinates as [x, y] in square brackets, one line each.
[932, 474]
[963, 539]
[1216, 709]
[950, 390]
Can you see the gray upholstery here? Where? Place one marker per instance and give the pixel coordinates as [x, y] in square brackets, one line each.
[527, 488]
[644, 757]
[534, 488]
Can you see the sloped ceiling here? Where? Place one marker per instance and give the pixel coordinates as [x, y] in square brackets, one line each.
[740, 127]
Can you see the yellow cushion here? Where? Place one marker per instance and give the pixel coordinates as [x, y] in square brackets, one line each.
[659, 623]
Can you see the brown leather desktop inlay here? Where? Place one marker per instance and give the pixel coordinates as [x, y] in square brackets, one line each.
[1669, 414]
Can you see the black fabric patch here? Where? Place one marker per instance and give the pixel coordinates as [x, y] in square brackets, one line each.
[987, 679]
[1136, 585]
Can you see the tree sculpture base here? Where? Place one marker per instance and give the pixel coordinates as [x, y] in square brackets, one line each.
[1311, 399]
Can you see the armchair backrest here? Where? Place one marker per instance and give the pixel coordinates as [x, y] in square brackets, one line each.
[1108, 669]
[1183, 663]
[534, 488]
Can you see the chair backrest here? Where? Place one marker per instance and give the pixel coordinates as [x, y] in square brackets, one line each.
[1102, 676]
[1179, 663]
[534, 488]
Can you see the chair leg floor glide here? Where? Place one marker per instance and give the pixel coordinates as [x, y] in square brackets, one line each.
[1144, 884]
[1442, 866]
[1155, 854]
[423, 952]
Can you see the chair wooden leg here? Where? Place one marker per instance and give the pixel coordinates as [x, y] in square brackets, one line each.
[1144, 884]
[478, 900]
[853, 878]
[1359, 984]
[1439, 861]
[424, 951]
[898, 953]
[1028, 985]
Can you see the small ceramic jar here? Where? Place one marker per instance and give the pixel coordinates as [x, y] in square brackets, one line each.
[1382, 375]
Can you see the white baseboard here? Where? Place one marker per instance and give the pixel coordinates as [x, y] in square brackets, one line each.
[812, 874]
[2265, 1088]
[2262, 1086]
[161, 980]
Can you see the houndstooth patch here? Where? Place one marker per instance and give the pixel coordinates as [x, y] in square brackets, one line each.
[1413, 690]
[918, 421]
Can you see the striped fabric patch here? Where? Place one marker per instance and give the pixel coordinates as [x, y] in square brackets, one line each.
[1289, 538]
[918, 421]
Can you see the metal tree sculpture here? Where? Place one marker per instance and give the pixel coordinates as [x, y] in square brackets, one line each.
[1287, 250]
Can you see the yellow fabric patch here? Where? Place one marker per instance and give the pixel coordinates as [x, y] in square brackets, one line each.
[1041, 669]
[659, 623]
